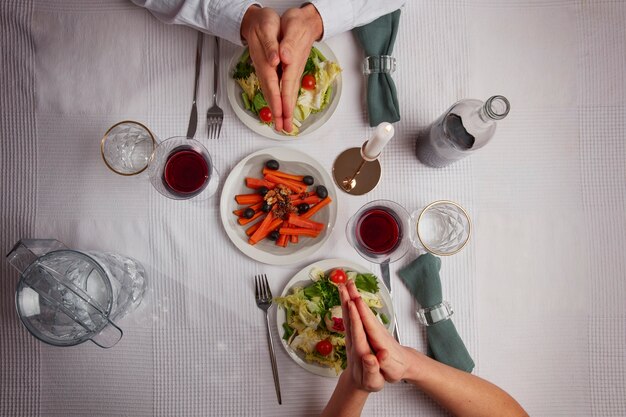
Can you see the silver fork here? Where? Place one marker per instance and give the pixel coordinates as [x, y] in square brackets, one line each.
[263, 296]
[215, 115]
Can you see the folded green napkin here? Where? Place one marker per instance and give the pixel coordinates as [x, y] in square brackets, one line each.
[444, 343]
[377, 38]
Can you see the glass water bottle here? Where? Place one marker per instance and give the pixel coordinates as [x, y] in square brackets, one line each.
[467, 126]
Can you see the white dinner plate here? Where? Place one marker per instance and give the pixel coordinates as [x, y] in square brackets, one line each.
[291, 161]
[311, 124]
[302, 279]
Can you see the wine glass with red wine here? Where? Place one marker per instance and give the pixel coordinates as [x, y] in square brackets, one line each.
[181, 168]
[378, 231]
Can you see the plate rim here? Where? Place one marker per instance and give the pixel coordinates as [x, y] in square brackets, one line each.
[270, 133]
[303, 274]
[258, 254]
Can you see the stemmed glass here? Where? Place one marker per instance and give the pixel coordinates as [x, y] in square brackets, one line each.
[378, 231]
[181, 168]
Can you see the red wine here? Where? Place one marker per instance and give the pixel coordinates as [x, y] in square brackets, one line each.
[378, 231]
[186, 171]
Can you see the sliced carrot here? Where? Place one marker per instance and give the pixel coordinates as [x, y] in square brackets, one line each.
[294, 238]
[254, 207]
[316, 208]
[302, 195]
[263, 230]
[282, 240]
[248, 198]
[298, 231]
[282, 174]
[257, 183]
[250, 230]
[273, 225]
[293, 185]
[297, 221]
[308, 200]
[243, 221]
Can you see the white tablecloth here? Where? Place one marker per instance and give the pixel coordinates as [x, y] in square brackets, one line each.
[538, 293]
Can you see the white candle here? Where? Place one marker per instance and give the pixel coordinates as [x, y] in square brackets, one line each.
[382, 135]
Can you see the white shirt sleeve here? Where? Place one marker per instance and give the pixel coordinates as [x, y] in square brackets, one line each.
[218, 17]
[342, 15]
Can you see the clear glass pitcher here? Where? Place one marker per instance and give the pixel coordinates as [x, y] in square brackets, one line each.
[65, 297]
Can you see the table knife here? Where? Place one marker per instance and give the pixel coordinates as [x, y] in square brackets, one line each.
[384, 269]
[193, 118]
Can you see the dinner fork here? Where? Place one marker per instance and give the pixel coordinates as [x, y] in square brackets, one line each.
[215, 115]
[263, 296]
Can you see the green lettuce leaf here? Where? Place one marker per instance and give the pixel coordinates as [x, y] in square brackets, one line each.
[288, 331]
[367, 282]
[258, 102]
[243, 70]
[325, 292]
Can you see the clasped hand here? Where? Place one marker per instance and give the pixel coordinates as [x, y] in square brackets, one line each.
[284, 40]
[374, 356]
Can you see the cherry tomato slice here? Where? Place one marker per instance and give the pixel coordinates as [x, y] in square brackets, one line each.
[324, 347]
[265, 114]
[308, 82]
[338, 276]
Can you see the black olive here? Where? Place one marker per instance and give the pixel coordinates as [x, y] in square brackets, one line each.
[303, 208]
[248, 213]
[272, 164]
[308, 180]
[266, 207]
[263, 190]
[321, 191]
[274, 235]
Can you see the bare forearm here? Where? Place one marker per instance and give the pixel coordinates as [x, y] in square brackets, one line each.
[461, 393]
[346, 401]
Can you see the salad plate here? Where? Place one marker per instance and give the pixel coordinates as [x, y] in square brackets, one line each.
[309, 125]
[303, 279]
[267, 251]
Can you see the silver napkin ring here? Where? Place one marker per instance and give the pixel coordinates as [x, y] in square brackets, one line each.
[435, 314]
[379, 63]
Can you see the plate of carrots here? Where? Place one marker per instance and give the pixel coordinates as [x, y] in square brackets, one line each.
[278, 206]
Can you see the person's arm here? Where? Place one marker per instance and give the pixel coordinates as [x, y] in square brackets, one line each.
[461, 393]
[347, 400]
[237, 21]
[219, 18]
[342, 16]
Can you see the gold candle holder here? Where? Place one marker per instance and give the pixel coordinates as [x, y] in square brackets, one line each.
[357, 170]
[355, 173]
